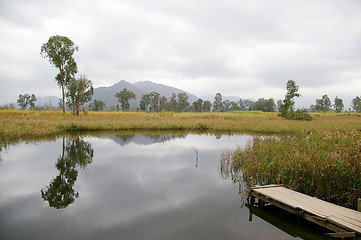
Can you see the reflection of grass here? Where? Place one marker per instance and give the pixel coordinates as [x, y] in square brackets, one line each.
[325, 164]
[21, 124]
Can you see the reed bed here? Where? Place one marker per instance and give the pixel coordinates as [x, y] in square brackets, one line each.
[324, 164]
[17, 124]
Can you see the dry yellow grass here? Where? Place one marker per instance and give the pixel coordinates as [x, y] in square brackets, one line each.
[17, 124]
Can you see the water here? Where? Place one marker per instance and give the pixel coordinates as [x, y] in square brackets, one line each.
[131, 187]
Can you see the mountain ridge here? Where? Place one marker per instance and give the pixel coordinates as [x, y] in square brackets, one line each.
[106, 94]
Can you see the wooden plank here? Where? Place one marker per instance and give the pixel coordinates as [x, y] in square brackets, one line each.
[313, 203]
[315, 209]
[342, 234]
[329, 209]
[316, 205]
[299, 212]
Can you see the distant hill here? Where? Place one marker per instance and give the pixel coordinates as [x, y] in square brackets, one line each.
[211, 98]
[49, 100]
[106, 94]
[164, 90]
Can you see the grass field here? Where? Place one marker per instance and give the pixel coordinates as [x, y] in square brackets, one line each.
[17, 125]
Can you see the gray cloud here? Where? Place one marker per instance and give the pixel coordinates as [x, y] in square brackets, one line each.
[247, 49]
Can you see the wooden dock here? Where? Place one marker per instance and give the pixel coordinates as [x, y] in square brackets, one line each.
[343, 222]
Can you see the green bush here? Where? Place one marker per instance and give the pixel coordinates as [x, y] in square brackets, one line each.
[302, 115]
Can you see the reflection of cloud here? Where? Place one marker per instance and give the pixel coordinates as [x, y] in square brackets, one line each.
[135, 191]
[159, 177]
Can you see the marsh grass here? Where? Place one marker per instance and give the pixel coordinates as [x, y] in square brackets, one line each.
[16, 124]
[321, 163]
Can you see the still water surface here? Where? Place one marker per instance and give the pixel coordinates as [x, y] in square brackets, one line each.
[130, 187]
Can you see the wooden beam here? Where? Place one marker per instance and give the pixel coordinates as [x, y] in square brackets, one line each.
[342, 235]
[300, 212]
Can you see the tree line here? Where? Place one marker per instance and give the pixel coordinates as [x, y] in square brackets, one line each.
[77, 95]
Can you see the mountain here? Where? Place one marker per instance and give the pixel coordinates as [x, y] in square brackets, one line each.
[138, 139]
[106, 94]
[211, 98]
[49, 100]
[164, 90]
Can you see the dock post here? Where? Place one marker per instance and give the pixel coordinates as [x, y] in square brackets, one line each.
[359, 204]
[279, 179]
[251, 184]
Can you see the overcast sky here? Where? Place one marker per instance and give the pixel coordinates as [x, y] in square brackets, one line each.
[238, 48]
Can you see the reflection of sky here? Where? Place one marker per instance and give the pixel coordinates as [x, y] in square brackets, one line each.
[134, 191]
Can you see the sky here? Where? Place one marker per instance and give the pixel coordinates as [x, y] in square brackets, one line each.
[248, 49]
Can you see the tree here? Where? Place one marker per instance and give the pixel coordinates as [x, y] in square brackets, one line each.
[60, 50]
[173, 102]
[154, 101]
[265, 105]
[338, 105]
[163, 103]
[23, 100]
[326, 103]
[123, 97]
[198, 105]
[97, 105]
[234, 106]
[226, 105]
[79, 92]
[245, 104]
[356, 104]
[144, 102]
[288, 102]
[32, 101]
[279, 105]
[26, 100]
[323, 104]
[207, 105]
[182, 102]
[218, 104]
[319, 105]
[313, 108]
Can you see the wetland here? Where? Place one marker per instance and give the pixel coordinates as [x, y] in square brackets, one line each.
[132, 186]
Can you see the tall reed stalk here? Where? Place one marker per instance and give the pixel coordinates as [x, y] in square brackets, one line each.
[321, 163]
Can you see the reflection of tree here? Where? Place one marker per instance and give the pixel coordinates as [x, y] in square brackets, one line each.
[126, 137]
[60, 192]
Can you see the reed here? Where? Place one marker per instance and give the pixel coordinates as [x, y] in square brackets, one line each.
[324, 164]
[17, 124]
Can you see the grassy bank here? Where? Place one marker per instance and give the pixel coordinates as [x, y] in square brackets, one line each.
[321, 163]
[15, 124]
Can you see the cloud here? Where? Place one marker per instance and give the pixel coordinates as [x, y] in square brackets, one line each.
[233, 47]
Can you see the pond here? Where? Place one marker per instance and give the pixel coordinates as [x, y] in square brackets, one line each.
[132, 186]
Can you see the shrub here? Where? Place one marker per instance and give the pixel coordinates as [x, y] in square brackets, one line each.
[302, 115]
